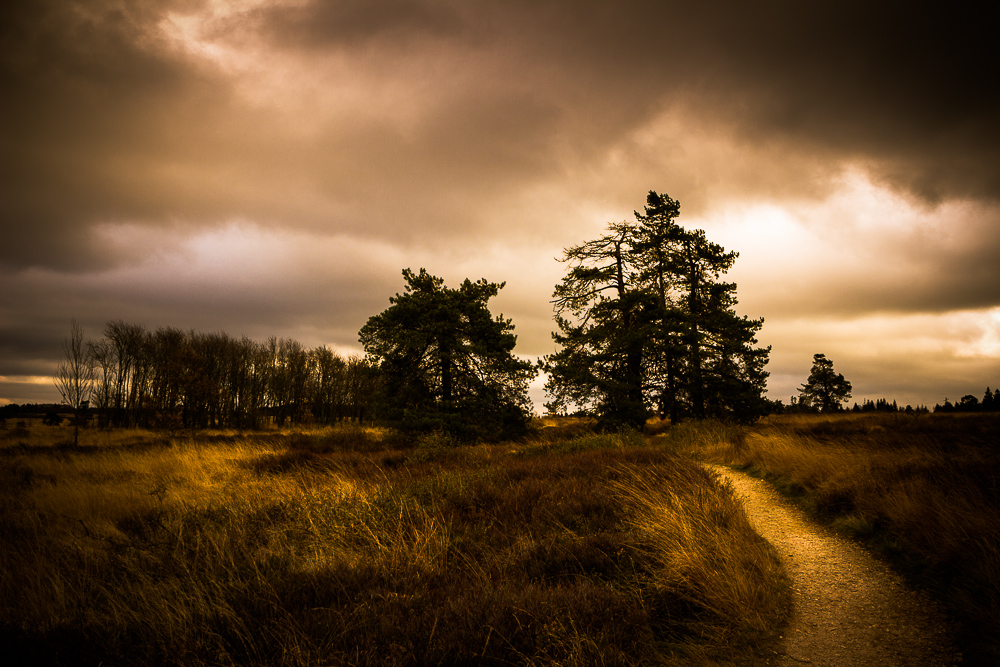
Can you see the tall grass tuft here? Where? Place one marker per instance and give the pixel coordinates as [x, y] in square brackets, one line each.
[729, 588]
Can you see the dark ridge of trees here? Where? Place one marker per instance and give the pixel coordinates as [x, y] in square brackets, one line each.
[878, 405]
[646, 321]
[883, 405]
[32, 409]
[867, 405]
[170, 378]
[969, 403]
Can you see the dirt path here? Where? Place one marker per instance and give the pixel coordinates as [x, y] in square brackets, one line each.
[849, 608]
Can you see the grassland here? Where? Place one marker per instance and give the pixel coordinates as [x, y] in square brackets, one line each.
[921, 490]
[355, 546]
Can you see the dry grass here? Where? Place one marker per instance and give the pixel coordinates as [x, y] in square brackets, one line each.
[352, 546]
[922, 490]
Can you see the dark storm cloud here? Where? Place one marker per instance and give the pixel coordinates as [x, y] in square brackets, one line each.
[86, 90]
[113, 125]
[913, 86]
[434, 129]
[107, 122]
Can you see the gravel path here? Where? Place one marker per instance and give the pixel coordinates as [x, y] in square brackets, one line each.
[849, 609]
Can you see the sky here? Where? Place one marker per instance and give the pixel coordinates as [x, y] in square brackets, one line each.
[269, 167]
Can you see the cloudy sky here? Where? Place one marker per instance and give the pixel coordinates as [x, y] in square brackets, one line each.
[268, 167]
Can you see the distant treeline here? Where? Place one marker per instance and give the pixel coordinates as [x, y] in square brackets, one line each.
[170, 378]
[878, 405]
[883, 405]
[11, 410]
[969, 403]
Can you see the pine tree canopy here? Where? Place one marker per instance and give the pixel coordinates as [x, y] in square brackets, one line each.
[646, 322]
[448, 364]
[825, 389]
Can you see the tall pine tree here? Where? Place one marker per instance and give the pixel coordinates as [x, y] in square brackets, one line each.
[446, 362]
[645, 320]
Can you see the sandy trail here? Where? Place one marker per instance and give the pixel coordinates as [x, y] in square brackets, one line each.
[849, 609]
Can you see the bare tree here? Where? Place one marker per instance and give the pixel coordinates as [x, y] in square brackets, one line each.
[106, 365]
[127, 345]
[75, 376]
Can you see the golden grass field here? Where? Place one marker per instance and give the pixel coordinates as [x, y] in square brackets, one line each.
[357, 546]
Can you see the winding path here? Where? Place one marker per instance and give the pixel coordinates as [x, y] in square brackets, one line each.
[849, 609]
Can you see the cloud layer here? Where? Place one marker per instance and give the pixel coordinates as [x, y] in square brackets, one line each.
[268, 167]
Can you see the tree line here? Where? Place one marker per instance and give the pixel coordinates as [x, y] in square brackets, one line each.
[646, 325]
[969, 403]
[169, 378]
[645, 322]
[883, 405]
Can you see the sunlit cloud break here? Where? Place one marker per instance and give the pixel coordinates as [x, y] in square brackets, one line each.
[269, 168]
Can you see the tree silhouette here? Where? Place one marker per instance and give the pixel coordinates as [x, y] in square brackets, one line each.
[173, 379]
[824, 389]
[969, 403]
[446, 363]
[75, 376]
[988, 403]
[644, 320]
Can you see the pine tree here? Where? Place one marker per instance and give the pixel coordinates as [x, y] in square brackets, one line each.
[988, 404]
[825, 389]
[644, 319]
[606, 326]
[446, 363]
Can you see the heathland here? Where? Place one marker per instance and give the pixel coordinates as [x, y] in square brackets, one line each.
[360, 546]
[352, 545]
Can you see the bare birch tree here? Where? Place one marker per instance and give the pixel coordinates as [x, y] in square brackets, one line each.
[75, 376]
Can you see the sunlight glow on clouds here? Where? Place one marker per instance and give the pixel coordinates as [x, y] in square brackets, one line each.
[27, 379]
[985, 343]
[862, 249]
[268, 167]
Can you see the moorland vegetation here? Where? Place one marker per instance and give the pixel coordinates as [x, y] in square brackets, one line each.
[360, 545]
[350, 545]
[919, 489]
